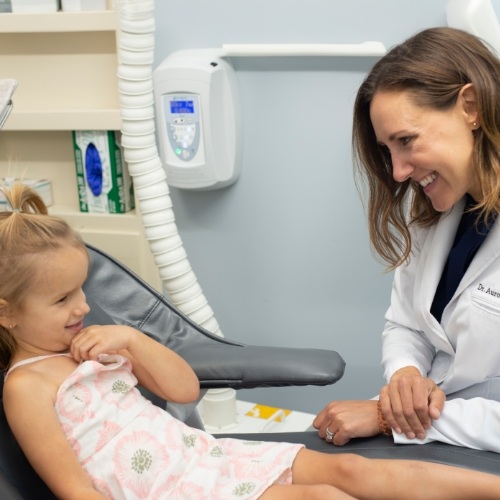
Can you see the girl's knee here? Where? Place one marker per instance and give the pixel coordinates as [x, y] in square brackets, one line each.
[326, 491]
[304, 492]
[312, 467]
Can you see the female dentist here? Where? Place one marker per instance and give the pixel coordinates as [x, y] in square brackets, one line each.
[426, 139]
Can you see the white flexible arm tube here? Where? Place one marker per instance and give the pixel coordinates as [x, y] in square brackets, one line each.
[135, 55]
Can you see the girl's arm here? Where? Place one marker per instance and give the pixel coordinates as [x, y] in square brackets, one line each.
[156, 367]
[29, 408]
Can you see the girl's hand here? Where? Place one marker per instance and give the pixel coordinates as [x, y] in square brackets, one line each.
[410, 402]
[156, 367]
[94, 340]
[348, 420]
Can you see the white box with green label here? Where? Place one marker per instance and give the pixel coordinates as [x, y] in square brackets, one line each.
[104, 184]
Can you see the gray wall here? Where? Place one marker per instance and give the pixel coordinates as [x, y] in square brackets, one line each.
[283, 255]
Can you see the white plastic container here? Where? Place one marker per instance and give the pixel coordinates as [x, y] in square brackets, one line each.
[34, 6]
[79, 5]
[218, 409]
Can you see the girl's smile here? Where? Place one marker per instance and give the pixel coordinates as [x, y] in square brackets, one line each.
[75, 327]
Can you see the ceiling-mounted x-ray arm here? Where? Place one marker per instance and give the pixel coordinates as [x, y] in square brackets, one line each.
[477, 17]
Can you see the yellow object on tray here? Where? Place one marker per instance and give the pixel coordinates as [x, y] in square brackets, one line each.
[267, 412]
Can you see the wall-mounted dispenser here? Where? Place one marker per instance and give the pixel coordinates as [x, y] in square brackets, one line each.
[198, 119]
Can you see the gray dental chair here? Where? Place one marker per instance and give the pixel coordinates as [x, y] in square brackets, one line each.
[116, 295]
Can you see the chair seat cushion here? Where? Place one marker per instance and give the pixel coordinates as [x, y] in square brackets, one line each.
[384, 447]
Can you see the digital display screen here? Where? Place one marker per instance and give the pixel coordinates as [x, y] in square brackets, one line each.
[182, 106]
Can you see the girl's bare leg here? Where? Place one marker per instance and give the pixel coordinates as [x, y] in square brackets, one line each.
[304, 492]
[393, 479]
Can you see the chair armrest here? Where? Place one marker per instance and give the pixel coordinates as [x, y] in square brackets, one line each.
[218, 364]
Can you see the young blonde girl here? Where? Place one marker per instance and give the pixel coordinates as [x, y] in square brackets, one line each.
[71, 401]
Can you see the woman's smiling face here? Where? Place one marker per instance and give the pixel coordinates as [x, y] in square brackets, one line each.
[431, 147]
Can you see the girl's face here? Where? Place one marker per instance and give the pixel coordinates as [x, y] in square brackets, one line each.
[433, 148]
[53, 310]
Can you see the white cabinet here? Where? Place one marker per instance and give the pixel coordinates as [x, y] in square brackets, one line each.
[66, 65]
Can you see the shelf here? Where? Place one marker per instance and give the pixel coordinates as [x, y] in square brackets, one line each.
[66, 67]
[365, 49]
[58, 22]
[66, 81]
[106, 119]
[102, 222]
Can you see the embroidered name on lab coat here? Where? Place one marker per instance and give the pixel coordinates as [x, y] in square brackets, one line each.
[488, 291]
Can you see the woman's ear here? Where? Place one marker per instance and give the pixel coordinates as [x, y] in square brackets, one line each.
[468, 99]
[6, 317]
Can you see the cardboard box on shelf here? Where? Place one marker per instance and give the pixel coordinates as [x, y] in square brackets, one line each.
[34, 6]
[79, 5]
[42, 186]
[103, 182]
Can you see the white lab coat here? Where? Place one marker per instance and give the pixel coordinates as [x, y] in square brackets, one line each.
[462, 354]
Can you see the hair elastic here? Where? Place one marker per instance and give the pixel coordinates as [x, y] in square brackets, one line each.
[12, 209]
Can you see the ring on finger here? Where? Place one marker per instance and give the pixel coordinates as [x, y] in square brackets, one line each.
[329, 434]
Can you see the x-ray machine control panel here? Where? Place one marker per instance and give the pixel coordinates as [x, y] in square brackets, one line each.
[198, 119]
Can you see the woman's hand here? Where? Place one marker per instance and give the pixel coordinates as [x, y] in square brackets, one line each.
[410, 402]
[347, 420]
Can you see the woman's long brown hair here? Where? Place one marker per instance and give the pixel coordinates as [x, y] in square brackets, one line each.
[432, 67]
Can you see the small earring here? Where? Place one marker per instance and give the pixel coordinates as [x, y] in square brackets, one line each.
[474, 124]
